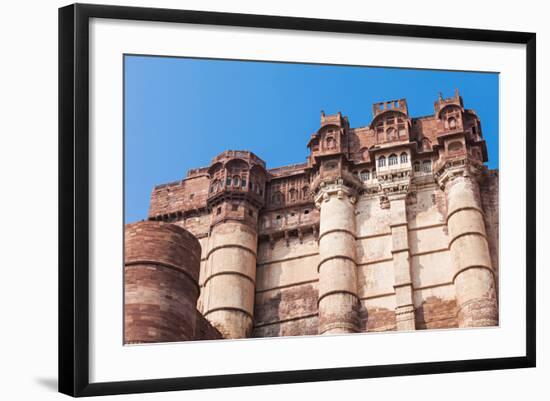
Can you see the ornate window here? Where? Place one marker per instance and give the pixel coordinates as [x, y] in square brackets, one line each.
[381, 161]
[228, 181]
[277, 198]
[331, 143]
[401, 131]
[404, 157]
[214, 186]
[305, 192]
[390, 134]
[243, 183]
[236, 181]
[365, 175]
[452, 122]
[392, 160]
[373, 174]
[427, 166]
[292, 195]
[417, 167]
[426, 144]
[455, 146]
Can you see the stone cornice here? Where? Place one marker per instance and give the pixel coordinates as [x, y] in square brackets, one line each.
[394, 185]
[448, 170]
[335, 188]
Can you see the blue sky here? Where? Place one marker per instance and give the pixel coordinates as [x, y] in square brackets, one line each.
[180, 113]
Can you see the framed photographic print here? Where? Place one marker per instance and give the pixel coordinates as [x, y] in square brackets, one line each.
[250, 199]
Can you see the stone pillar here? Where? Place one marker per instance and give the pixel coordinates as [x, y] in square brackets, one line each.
[404, 311]
[161, 270]
[338, 300]
[230, 276]
[473, 274]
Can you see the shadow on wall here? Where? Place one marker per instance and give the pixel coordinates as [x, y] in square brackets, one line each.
[295, 305]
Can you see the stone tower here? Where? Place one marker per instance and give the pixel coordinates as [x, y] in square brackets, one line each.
[161, 272]
[335, 190]
[235, 197]
[459, 171]
[392, 157]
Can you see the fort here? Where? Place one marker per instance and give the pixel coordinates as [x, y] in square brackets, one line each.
[390, 226]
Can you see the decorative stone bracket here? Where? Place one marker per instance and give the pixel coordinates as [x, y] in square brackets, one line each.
[335, 188]
[462, 167]
[394, 185]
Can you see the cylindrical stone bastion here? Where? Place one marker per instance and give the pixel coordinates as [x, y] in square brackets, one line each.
[161, 271]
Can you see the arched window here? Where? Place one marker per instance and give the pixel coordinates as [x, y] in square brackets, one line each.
[331, 143]
[236, 181]
[243, 183]
[404, 157]
[390, 134]
[452, 122]
[277, 198]
[305, 192]
[228, 181]
[455, 146]
[427, 166]
[416, 167]
[292, 195]
[365, 175]
[381, 161]
[392, 160]
[426, 144]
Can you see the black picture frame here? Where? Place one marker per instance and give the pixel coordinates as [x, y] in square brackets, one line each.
[74, 194]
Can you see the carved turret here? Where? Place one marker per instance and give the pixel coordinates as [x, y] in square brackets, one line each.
[458, 172]
[391, 122]
[236, 194]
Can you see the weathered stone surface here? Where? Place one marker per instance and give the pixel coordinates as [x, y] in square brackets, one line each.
[435, 313]
[160, 285]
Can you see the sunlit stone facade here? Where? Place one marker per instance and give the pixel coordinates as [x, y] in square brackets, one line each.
[390, 226]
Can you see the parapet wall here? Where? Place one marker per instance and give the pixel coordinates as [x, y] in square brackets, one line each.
[161, 269]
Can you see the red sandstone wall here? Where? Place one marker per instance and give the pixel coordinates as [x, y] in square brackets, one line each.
[286, 312]
[435, 313]
[377, 319]
[161, 285]
[188, 194]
